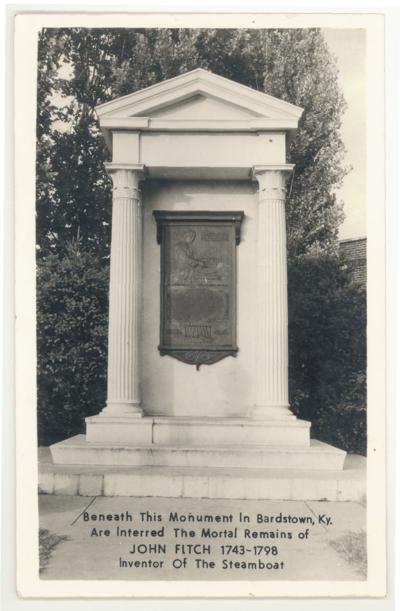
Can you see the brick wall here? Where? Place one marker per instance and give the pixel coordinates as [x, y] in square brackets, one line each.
[354, 255]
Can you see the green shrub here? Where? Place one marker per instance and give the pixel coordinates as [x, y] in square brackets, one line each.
[71, 341]
[352, 546]
[47, 544]
[343, 426]
[327, 350]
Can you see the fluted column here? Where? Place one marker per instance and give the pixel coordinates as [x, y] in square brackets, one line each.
[272, 401]
[123, 390]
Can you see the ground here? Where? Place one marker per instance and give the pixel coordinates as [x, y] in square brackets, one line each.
[327, 539]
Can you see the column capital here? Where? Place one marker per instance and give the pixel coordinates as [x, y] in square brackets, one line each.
[112, 166]
[271, 180]
[126, 178]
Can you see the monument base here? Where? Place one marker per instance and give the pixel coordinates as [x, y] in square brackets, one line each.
[189, 431]
[212, 483]
[225, 456]
[79, 451]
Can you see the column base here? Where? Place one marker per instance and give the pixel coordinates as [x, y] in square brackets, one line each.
[123, 409]
[272, 412]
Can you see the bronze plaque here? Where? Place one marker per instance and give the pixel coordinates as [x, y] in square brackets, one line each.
[198, 284]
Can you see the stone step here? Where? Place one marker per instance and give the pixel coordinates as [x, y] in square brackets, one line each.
[77, 450]
[185, 431]
[177, 482]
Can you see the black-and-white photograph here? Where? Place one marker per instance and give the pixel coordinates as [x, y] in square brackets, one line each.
[201, 304]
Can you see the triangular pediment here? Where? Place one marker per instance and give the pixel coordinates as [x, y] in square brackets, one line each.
[202, 91]
[197, 101]
[201, 107]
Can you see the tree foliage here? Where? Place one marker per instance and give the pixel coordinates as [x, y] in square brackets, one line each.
[71, 342]
[81, 68]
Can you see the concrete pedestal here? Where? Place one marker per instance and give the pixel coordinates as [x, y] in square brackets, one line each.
[162, 430]
[347, 484]
[78, 451]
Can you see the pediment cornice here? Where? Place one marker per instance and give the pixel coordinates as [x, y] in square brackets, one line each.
[164, 107]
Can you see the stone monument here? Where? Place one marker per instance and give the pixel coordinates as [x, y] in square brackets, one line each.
[197, 396]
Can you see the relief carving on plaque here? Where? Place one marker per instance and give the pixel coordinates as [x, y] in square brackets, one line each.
[198, 284]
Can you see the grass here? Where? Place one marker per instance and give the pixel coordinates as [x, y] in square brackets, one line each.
[47, 543]
[352, 546]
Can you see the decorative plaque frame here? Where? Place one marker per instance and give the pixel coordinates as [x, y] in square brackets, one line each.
[198, 284]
